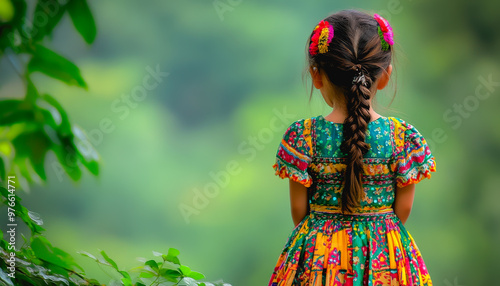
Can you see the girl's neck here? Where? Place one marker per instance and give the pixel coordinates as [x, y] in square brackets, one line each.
[339, 114]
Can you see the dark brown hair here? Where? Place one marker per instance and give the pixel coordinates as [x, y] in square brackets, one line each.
[354, 61]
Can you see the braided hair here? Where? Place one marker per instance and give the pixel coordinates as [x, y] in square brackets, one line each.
[353, 62]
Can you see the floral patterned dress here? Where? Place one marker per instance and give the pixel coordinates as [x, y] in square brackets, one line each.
[371, 246]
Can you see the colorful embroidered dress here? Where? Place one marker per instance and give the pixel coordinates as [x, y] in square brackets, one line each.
[370, 247]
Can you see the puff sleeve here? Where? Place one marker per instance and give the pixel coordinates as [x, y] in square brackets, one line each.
[414, 161]
[295, 153]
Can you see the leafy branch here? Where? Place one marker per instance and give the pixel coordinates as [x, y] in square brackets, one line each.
[36, 124]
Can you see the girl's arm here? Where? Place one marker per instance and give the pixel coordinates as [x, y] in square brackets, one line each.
[298, 201]
[403, 202]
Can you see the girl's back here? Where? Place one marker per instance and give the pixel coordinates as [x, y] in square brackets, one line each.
[310, 153]
[331, 248]
[351, 183]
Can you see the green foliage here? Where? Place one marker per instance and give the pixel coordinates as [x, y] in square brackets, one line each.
[56, 66]
[167, 271]
[40, 263]
[37, 124]
[82, 19]
[37, 262]
[43, 7]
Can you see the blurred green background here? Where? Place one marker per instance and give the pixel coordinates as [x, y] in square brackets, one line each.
[232, 67]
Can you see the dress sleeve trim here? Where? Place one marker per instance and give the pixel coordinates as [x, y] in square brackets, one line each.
[293, 157]
[413, 159]
[283, 170]
[417, 173]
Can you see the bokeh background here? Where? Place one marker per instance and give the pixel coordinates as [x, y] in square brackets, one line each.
[207, 128]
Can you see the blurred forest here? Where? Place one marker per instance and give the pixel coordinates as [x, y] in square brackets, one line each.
[180, 106]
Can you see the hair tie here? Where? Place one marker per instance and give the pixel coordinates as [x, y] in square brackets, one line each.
[321, 38]
[385, 32]
[359, 77]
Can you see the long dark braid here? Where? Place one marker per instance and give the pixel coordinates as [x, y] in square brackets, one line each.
[354, 145]
[355, 59]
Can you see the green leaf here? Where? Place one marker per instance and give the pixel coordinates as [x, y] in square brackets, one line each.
[173, 252]
[152, 264]
[109, 260]
[31, 91]
[19, 13]
[196, 275]
[146, 274]
[16, 117]
[35, 217]
[65, 127]
[170, 273]
[59, 273]
[86, 254]
[6, 12]
[14, 111]
[51, 115]
[54, 116]
[67, 157]
[171, 279]
[2, 166]
[25, 280]
[127, 281]
[50, 10]
[188, 282]
[34, 146]
[5, 278]
[55, 66]
[83, 20]
[156, 253]
[6, 149]
[172, 256]
[85, 150]
[124, 274]
[3, 242]
[45, 251]
[185, 270]
[94, 282]
[21, 212]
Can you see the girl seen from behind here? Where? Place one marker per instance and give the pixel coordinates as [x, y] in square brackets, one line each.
[353, 172]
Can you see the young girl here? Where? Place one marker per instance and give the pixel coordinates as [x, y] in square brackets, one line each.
[353, 172]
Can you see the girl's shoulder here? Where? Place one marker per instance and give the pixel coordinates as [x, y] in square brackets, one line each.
[414, 160]
[305, 126]
[301, 126]
[298, 135]
[401, 128]
[400, 123]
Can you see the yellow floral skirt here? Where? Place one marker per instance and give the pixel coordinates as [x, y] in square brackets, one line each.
[371, 248]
